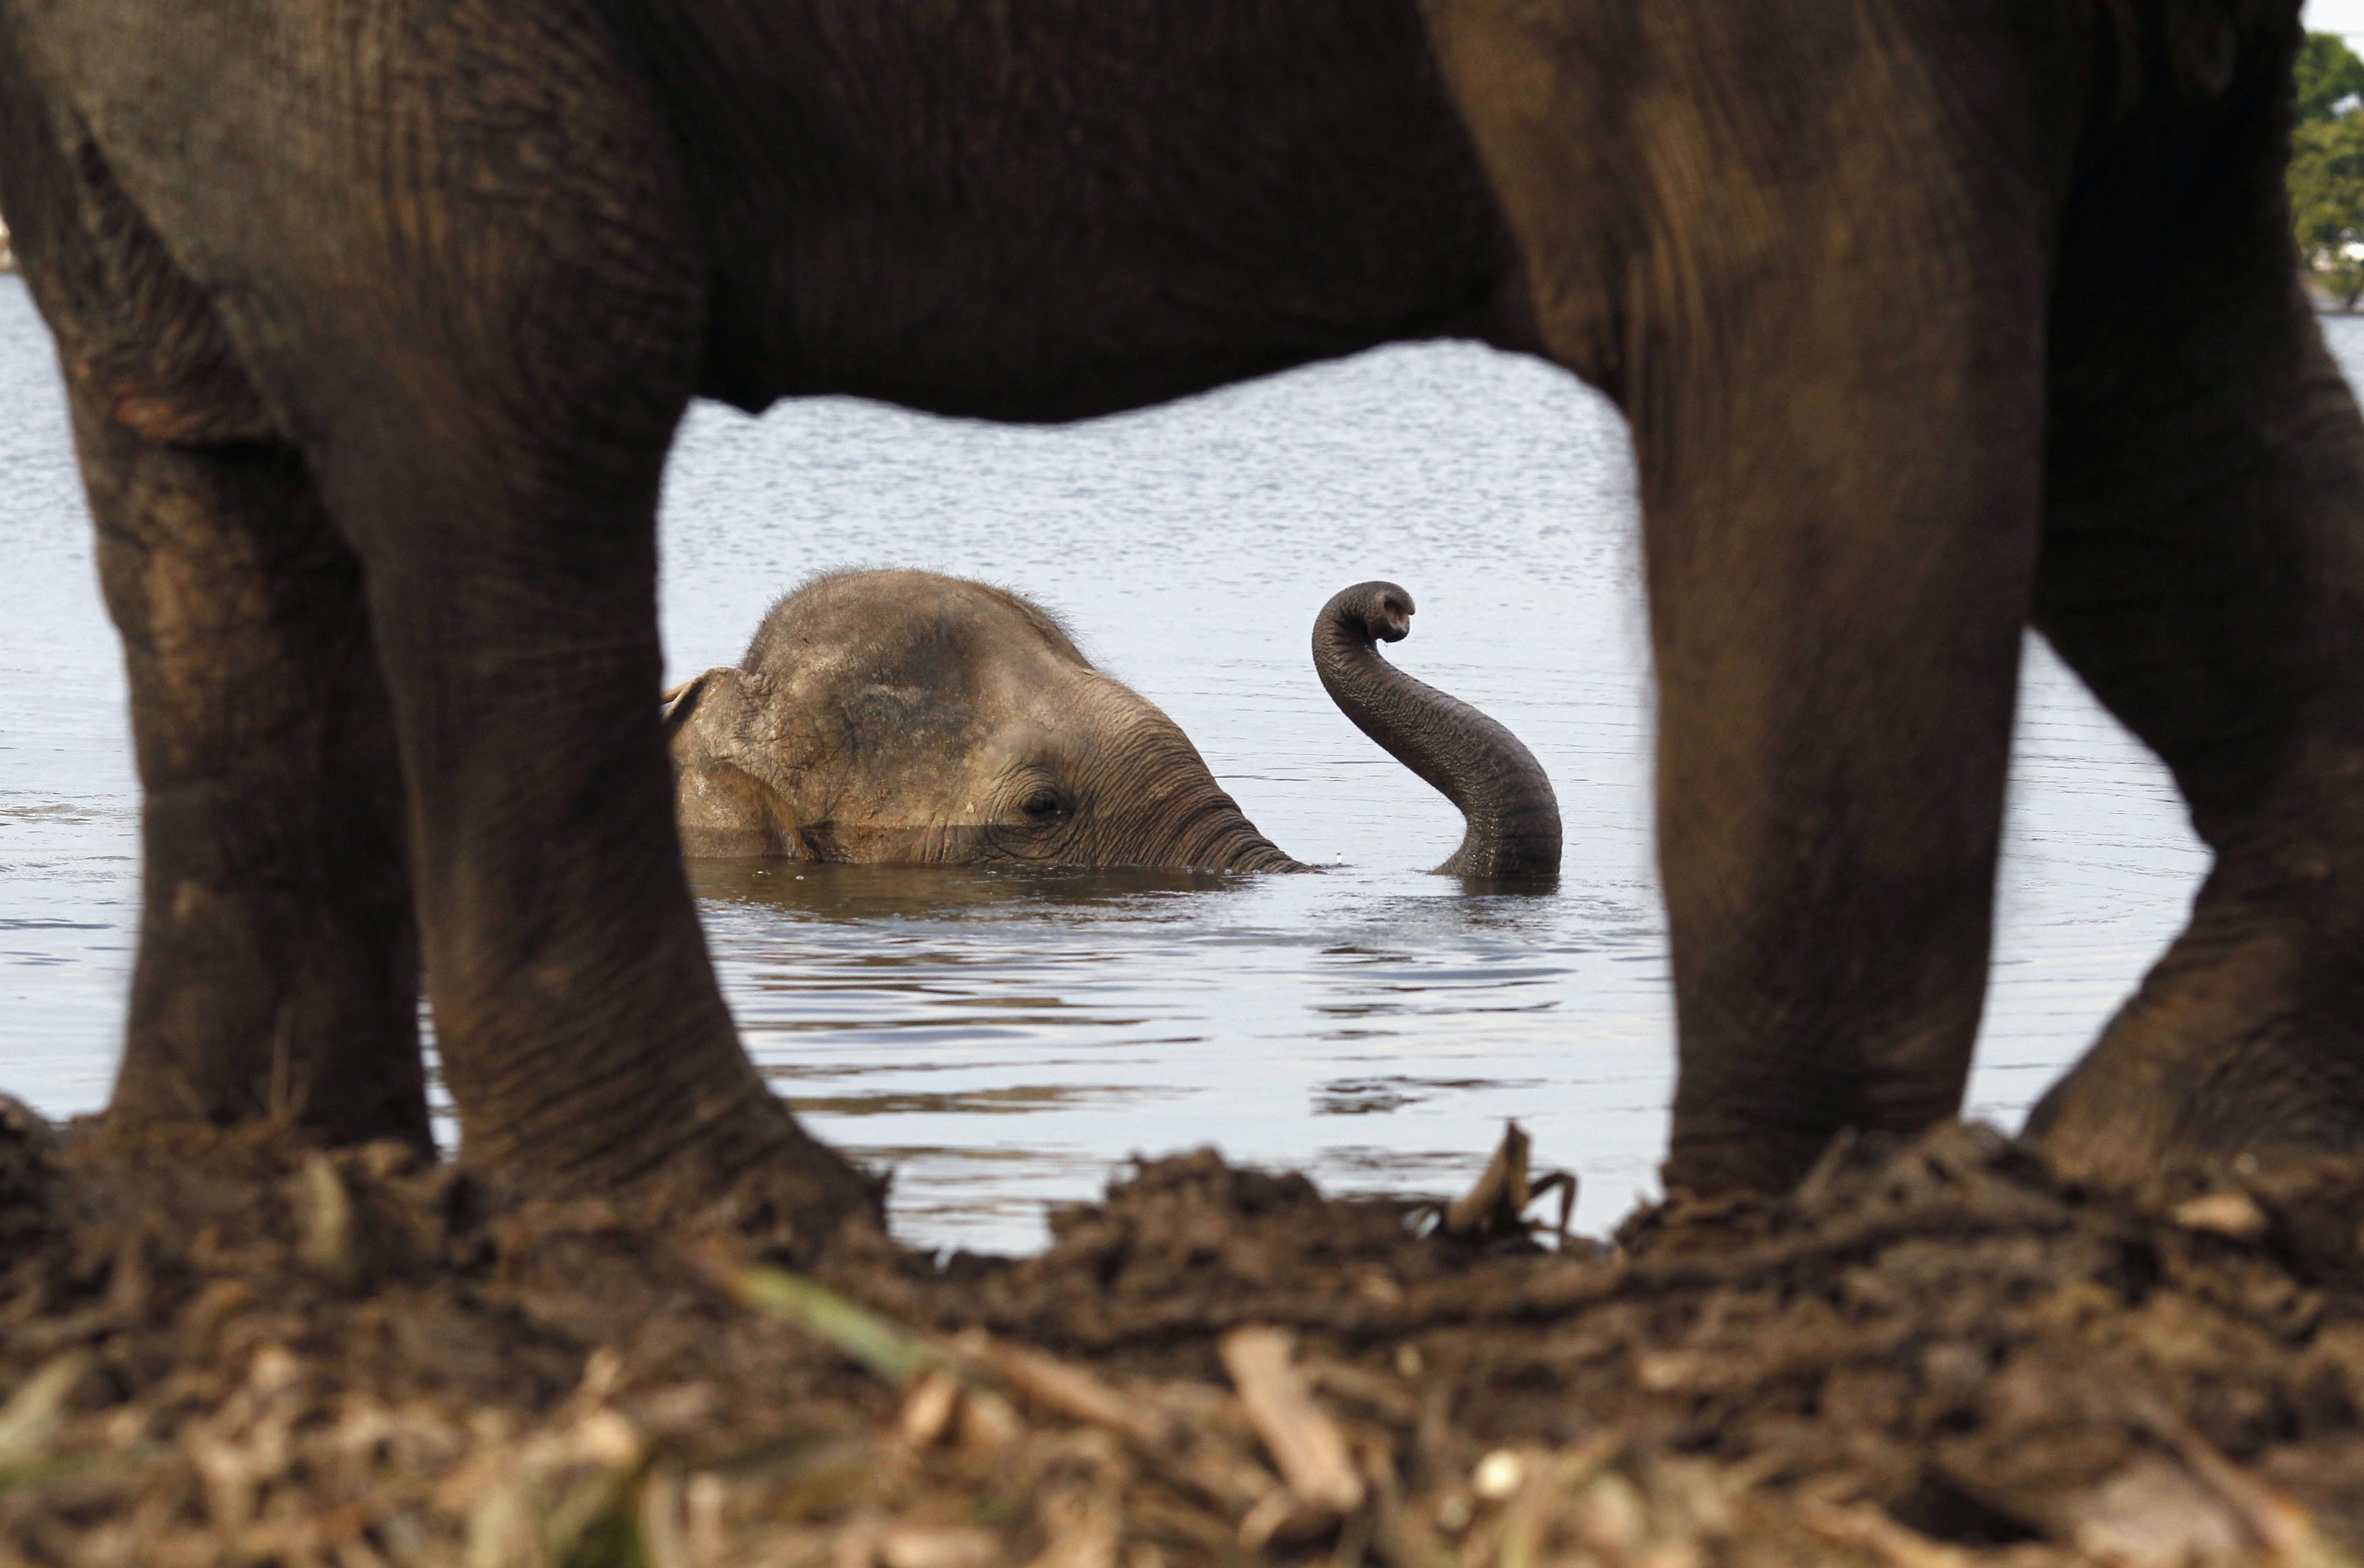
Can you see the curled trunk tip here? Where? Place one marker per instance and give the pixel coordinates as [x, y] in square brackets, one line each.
[1376, 611]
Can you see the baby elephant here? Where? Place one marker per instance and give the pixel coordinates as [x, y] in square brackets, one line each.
[908, 717]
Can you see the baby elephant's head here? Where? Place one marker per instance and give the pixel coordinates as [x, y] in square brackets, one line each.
[905, 717]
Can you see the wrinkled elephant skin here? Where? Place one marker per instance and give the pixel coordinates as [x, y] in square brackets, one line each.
[900, 716]
[1934, 319]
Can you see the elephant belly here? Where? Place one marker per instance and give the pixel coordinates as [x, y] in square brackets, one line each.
[1042, 210]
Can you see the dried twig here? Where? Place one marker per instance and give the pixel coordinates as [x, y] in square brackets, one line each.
[1070, 1391]
[1302, 1438]
[1497, 1204]
[1868, 1528]
[2277, 1522]
[32, 1416]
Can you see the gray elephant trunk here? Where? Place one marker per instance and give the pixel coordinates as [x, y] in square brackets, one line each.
[1217, 836]
[1503, 793]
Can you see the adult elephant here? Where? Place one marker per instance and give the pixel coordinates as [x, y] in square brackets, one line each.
[1932, 318]
[908, 717]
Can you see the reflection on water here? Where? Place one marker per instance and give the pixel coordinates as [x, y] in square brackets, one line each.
[1036, 1021]
[871, 892]
[1005, 1039]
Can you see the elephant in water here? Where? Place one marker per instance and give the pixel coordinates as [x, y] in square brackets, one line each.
[906, 717]
[1934, 321]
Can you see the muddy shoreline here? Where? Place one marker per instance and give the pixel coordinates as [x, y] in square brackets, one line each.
[232, 1350]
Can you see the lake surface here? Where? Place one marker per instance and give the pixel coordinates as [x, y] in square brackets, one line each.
[1007, 1042]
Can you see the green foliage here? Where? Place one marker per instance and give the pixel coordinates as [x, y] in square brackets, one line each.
[2328, 73]
[2326, 172]
[885, 1347]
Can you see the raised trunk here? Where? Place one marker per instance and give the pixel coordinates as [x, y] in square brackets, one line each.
[1502, 791]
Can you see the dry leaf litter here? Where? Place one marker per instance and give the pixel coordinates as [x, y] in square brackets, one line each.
[229, 1349]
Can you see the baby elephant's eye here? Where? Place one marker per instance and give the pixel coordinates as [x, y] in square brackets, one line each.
[1044, 805]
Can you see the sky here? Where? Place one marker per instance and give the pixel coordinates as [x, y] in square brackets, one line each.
[2336, 17]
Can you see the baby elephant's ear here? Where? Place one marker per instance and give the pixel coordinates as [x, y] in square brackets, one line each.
[679, 703]
[714, 729]
[709, 718]
[714, 703]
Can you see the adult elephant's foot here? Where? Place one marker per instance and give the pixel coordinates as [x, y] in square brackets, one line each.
[764, 1181]
[2237, 1045]
[673, 1126]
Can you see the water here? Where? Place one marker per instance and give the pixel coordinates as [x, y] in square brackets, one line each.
[1006, 1042]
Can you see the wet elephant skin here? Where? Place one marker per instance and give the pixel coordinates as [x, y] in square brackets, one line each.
[907, 718]
[1932, 319]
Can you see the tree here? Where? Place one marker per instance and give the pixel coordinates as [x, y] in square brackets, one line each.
[2328, 75]
[2326, 172]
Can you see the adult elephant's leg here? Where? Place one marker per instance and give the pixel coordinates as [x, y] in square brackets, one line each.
[512, 582]
[583, 1036]
[2203, 571]
[277, 972]
[1839, 542]
[498, 466]
[1828, 338]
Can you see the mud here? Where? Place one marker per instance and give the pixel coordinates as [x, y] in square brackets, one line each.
[232, 1350]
